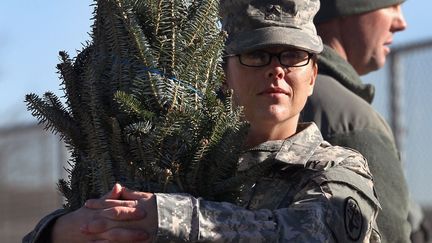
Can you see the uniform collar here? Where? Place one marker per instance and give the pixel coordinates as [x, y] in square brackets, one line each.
[300, 147]
[295, 150]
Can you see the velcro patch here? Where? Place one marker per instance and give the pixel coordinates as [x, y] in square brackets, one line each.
[353, 219]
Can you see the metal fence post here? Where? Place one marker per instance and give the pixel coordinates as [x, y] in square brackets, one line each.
[396, 100]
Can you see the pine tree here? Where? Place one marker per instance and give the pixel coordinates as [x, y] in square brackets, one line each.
[140, 103]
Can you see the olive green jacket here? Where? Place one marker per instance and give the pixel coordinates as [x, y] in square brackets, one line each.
[340, 106]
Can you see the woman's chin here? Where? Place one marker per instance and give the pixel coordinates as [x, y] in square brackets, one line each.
[275, 118]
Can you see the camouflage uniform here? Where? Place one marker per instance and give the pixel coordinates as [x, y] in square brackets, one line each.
[315, 193]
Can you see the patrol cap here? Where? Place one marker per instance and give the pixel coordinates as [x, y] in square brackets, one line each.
[331, 9]
[256, 24]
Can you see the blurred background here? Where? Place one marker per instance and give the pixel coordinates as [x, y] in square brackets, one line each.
[32, 160]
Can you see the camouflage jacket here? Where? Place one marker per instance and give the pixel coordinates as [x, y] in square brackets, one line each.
[315, 193]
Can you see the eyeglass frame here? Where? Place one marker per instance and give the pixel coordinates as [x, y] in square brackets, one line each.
[278, 55]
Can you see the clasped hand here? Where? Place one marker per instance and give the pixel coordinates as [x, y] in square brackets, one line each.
[119, 216]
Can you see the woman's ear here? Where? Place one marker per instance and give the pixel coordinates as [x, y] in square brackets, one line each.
[313, 78]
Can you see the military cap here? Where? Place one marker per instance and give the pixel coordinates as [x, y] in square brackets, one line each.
[331, 9]
[256, 24]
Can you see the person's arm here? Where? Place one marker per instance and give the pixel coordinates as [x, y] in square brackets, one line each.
[332, 212]
[63, 226]
[42, 232]
[333, 207]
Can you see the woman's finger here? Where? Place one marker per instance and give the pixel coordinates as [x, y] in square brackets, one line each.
[125, 235]
[124, 213]
[134, 195]
[109, 203]
[114, 193]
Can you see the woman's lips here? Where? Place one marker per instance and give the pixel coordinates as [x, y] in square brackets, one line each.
[273, 91]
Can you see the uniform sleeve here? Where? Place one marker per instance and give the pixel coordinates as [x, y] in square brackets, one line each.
[389, 180]
[328, 209]
[41, 233]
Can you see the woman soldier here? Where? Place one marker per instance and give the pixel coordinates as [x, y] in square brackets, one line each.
[314, 192]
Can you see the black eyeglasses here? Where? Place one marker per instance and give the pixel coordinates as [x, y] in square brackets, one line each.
[288, 58]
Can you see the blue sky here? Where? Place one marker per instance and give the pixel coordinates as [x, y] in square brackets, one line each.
[31, 35]
[32, 32]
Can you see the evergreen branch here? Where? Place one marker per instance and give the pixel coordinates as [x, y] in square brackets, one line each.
[196, 166]
[121, 168]
[144, 53]
[98, 135]
[131, 104]
[70, 79]
[65, 189]
[51, 113]
[214, 71]
[141, 143]
[201, 18]
[100, 155]
[138, 39]
[81, 180]
[158, 18]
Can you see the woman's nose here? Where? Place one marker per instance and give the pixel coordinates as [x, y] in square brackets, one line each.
[275, 69]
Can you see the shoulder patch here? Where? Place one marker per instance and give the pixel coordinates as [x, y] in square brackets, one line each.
[353, 219]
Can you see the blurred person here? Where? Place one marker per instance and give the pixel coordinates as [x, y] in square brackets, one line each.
[356, 36]
[310, 192]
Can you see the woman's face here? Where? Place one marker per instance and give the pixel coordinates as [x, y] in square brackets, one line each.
[272, 95]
